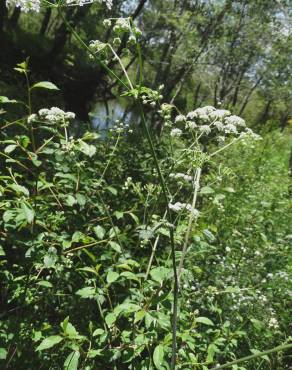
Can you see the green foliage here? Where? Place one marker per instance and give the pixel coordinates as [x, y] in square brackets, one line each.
[104, 238]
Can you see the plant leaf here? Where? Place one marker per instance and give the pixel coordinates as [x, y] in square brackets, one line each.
[45, 85]
[49, 342]
[158, 356]
[204, 320]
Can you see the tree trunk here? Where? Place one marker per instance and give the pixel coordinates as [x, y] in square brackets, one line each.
[15, 16]
[3, 14]
[46, 21]
[246, 100]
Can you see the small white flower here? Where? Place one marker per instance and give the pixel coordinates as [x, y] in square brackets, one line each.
[219, 125]
[175, 132]
[219, 113]
[235, 120]
[32, 118]
[181, 176]
[205, 129]
[191, 125]
[230, 129]
[107, 22]
[180, 118]
[177, 207]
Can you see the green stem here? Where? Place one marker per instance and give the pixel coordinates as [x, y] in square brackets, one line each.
[100, 62]
[256, 355]
[165, 194]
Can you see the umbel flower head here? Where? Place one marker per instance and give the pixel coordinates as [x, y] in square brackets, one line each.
[209, 120]
[34, 5]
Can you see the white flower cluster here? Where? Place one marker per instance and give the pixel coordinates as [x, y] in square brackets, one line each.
[178, 206]
[34, 5]
[182, 176]
[120, 128]
[122, 25]
[220, 121]
[175, 132]
[100, 47]
[25, 5]
[55, 115]
[273, 323]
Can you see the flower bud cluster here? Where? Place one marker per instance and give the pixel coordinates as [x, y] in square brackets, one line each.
[98, 47]
[151, 97]
[121, 128]
[165, 113]
[123, 26]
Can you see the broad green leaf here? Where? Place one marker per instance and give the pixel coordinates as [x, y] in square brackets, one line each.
[88, 292]
[9, 148]
[2, 252]
[97, 332]
[110, 318]
[4, 99]
[115, 247]
[99, 231]
[130, 276]
[71, 362]
[139, 316]
[204, 320]
[94, 352]
[71, 331]
[20, 189]
[206, 190]
[45, 283]
[49, 260]
[70, 200]
[49, 342]
[45, 85]
[158, 356]
[28, 213]
[112, 276]
[87, 149]
[3, 353]
[160, 273]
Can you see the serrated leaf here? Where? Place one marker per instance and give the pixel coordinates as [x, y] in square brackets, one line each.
[49, 342]
[20, 189]
[115, 246]
[28, 213]
[87, 149]
[45, 85]
[99, 231]
[130, 276]
[110, 318]
[160, 273]
[88, 292]
[112, 276]
[139, 316]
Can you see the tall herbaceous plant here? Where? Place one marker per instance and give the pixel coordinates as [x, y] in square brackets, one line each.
[103, 246]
